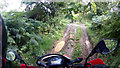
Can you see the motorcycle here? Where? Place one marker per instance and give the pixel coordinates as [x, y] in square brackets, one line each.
[104, 46]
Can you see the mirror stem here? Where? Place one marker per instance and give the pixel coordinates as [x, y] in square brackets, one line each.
[85, 65]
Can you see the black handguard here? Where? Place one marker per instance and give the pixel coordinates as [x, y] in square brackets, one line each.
[100, 66]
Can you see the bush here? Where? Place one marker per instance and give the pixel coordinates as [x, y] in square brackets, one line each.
[107, 26]
[31, 38]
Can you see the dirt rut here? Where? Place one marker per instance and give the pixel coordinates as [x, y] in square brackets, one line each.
[85, 42]
[67, 43]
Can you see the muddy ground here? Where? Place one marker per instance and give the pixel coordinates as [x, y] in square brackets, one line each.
[67, 43]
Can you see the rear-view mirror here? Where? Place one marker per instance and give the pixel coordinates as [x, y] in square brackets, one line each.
[10, 56]
[107, 45]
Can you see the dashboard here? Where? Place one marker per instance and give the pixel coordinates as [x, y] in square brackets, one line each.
[55, 60]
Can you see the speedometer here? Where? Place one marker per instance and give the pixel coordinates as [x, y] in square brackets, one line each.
[56, 61]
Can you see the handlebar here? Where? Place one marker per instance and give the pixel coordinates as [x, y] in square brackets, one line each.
[77, 60]
[90, 66]
[100, 66]
[74, 66]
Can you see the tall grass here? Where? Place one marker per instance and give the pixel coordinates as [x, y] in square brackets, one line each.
[78, 50]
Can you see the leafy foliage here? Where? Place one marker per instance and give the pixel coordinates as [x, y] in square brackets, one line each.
[32, 38]
[32, 32]
[43, 11]
[104, 24]
[71, 9]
